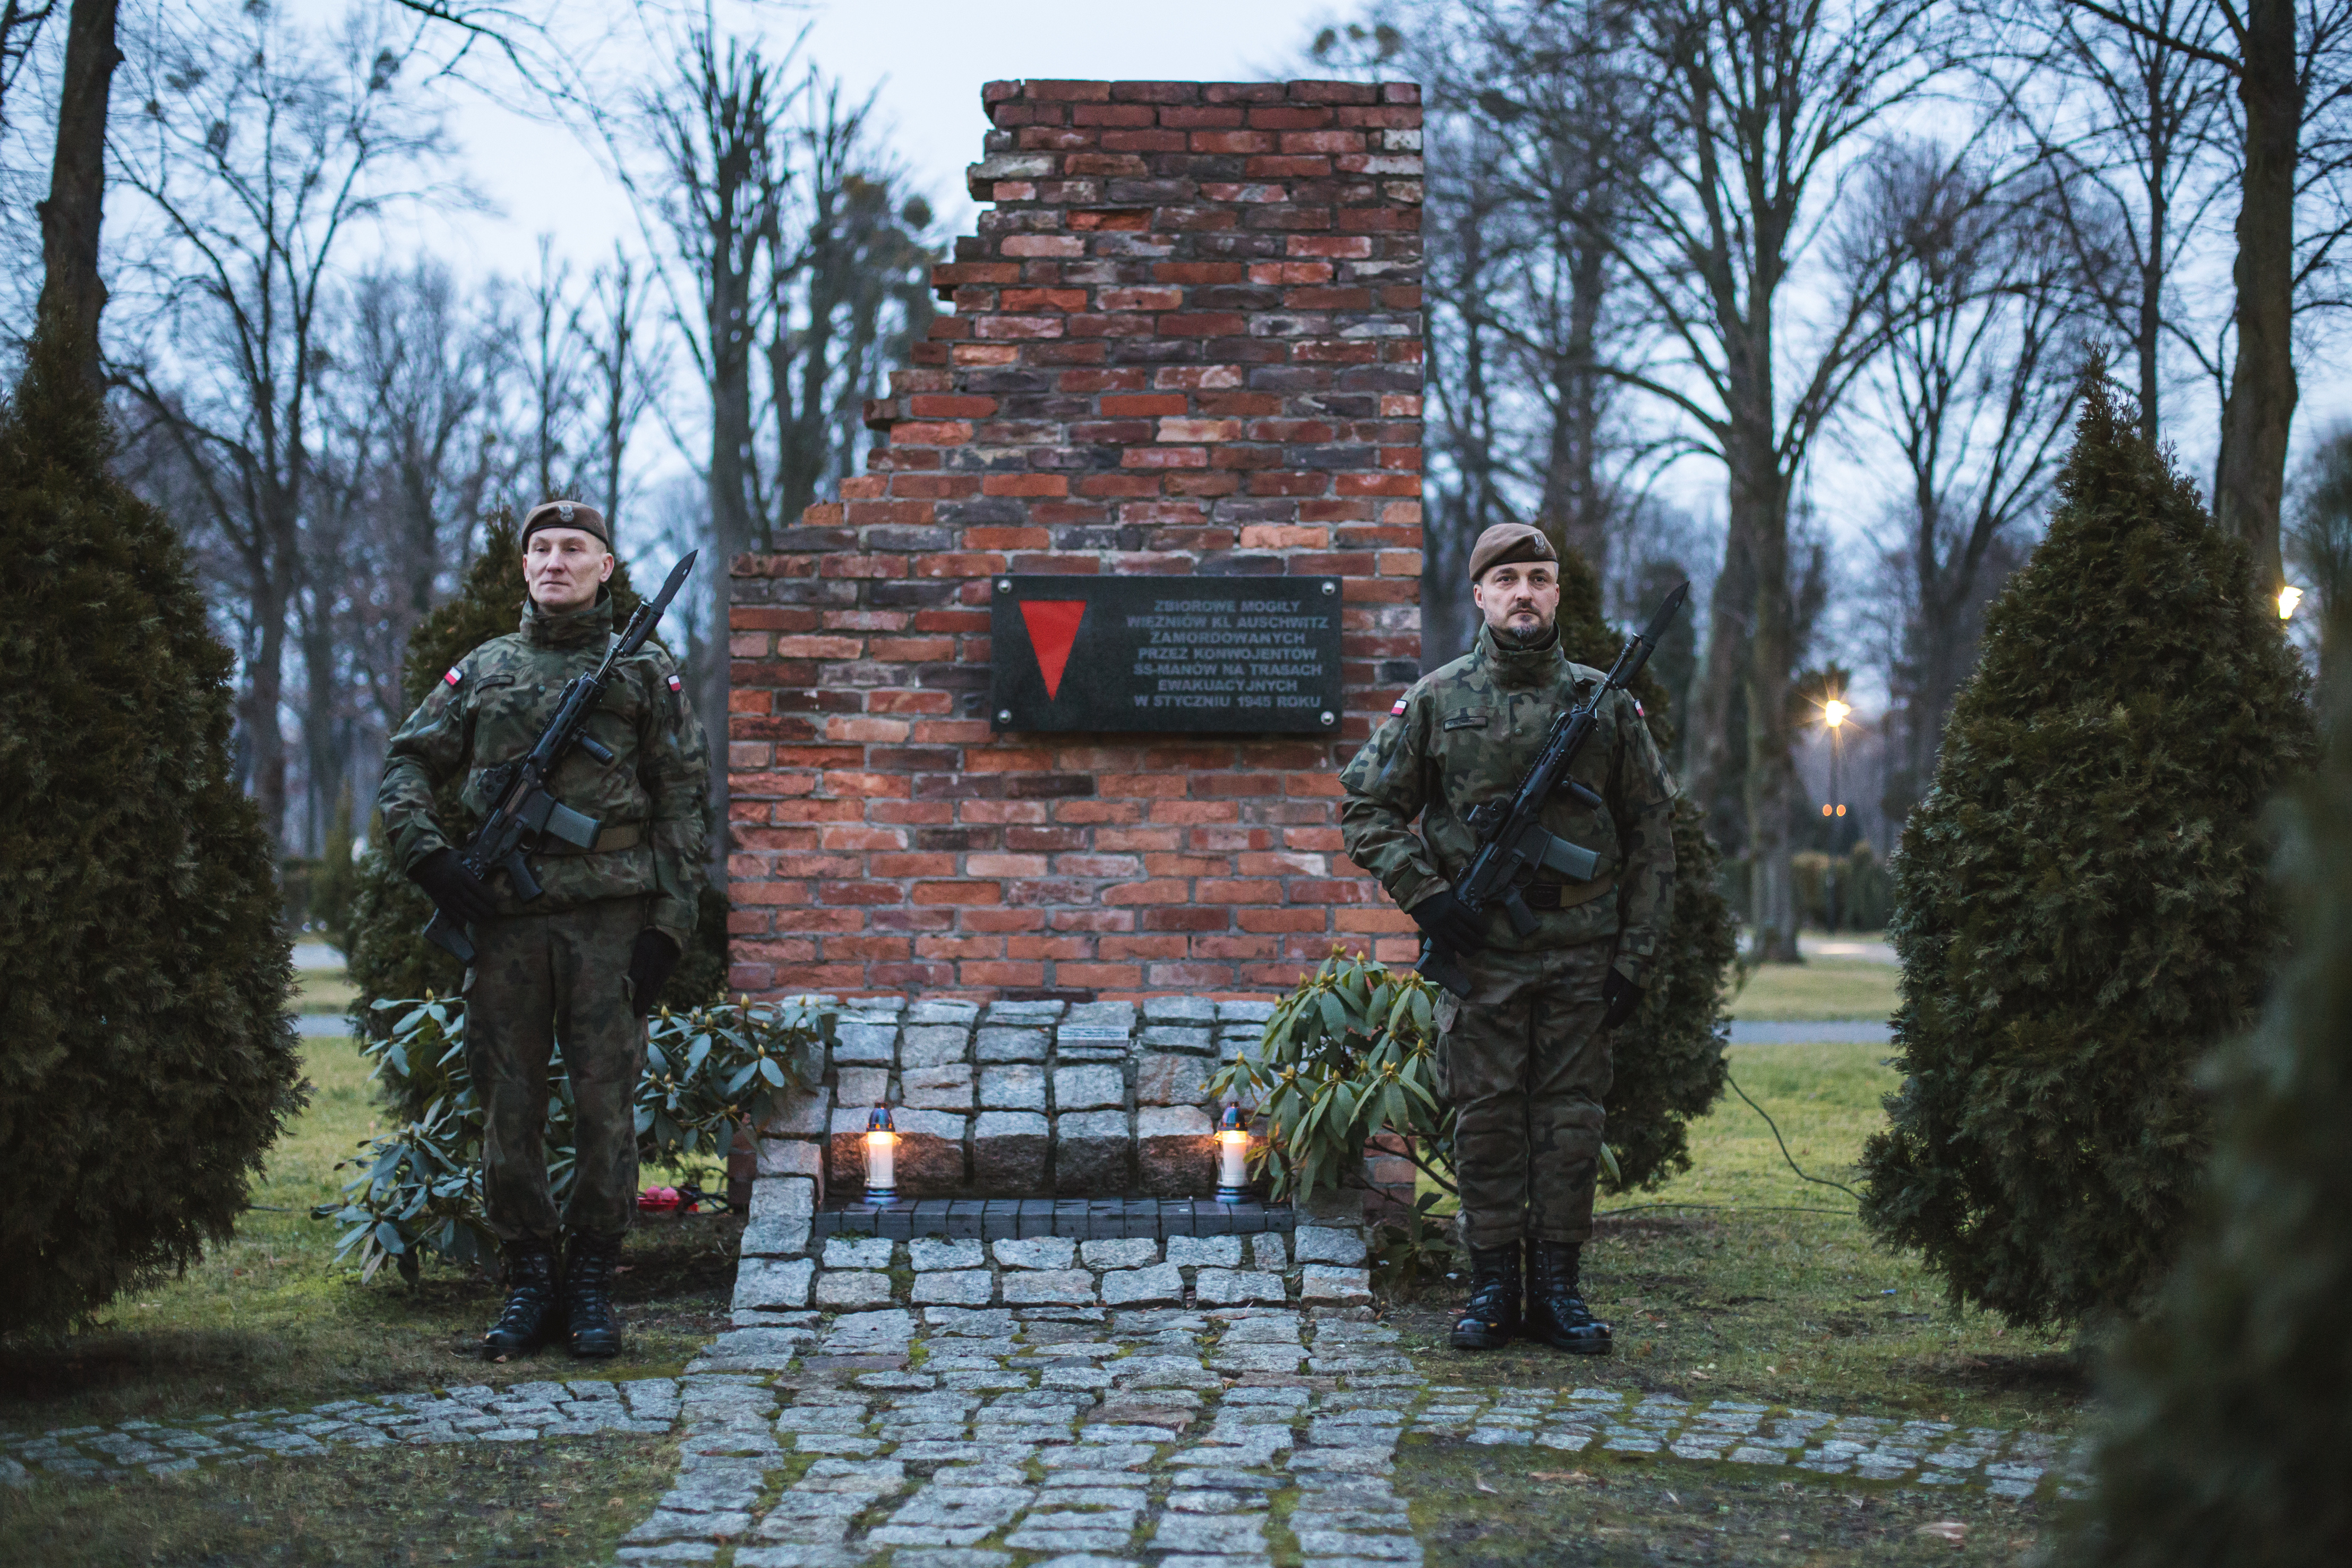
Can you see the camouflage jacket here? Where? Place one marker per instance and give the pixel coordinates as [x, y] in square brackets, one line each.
[653, 799]
[1465, 733]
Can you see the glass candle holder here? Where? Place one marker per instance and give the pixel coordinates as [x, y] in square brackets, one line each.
[881, 1159]
[1232, 1158]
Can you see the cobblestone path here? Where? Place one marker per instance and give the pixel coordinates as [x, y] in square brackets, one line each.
[519, 1413]
[1061, 1437]
[1082, 1438]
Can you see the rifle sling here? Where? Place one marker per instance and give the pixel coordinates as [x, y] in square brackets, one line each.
[1542, 895]
[612, 837]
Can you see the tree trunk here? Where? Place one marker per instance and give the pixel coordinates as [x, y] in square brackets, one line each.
[2251, 469]
[1730, 610]
[72, 294]
[1760, 491]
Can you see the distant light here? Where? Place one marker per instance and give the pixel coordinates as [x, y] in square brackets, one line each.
[1841, 810]
[1835, 712]
[2288, 597]
[1825, 811]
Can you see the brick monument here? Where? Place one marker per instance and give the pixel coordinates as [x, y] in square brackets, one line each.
[1186, 342]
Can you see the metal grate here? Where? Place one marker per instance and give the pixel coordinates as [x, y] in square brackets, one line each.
[1082, 1218]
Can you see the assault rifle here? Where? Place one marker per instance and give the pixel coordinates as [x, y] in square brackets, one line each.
[1512, 845]
[522, 812]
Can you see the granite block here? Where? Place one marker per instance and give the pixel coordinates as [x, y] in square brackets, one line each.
[1009, 1153]
[947, 1087]
[1011, 1045]
[1089, 1089]
[1013, 1087]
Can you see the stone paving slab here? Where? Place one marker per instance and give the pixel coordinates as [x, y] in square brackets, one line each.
[950, 1436]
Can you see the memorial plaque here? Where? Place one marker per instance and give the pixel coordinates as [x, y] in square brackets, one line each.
[1238, 655]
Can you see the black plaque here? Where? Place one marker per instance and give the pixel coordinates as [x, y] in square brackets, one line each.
[1241, 655]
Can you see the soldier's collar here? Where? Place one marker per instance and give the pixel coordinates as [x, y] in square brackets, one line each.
[569, 628]
[1515, 666]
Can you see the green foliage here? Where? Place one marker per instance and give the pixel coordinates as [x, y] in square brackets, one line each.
[418, 1189]
[2230, 1437]
[2080, 908]
[147, 1064]
[1346, 1058]
[385, 923]
[1669, 1057]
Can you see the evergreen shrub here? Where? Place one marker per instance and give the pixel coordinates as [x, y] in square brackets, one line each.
[147, 1063]
[386, 914]
[2081, 911]
[708, 1072]
[1669, 1056]
[2228, 1442]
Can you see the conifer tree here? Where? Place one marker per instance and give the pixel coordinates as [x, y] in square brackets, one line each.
[146, 1062]
[388, 954]
[2229, 1439]
[2081, 911]
[1668, 1061]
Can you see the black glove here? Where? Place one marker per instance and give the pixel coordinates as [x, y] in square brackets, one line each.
[1447, 921]
[455, 891]
[650, 962]
[1620, 997]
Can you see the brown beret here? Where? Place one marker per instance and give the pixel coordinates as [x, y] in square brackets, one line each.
[566, 515]
[1507, 542]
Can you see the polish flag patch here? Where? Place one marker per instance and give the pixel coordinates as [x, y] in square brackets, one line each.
[1638, 711]
[672, 683]
[452, 677]
[1398, 711]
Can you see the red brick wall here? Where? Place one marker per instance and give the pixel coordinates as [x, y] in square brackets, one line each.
[1187, 340]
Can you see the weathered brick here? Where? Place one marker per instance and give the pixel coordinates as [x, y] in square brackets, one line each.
[1189, 346]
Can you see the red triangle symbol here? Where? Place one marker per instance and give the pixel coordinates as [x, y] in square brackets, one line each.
[1053, 627]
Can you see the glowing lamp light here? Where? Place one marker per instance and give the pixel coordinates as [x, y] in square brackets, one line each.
[1232, 1157]
[881, 1159]
[1835, 712]
[2288, 597]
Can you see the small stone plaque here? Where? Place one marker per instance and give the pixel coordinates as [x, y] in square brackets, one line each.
[1242, 655]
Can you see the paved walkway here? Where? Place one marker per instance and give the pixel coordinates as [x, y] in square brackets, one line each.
[1178, 1437]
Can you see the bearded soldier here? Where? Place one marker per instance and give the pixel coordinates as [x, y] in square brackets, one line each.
[583, 962]
[1525, 1058]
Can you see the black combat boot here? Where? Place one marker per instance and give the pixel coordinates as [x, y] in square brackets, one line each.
[1555, 1311]
[530, 1315]
[589, 1265]
[1491, 1319]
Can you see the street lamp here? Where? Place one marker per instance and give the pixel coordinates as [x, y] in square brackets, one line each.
[1834, 713]
[2288, 597]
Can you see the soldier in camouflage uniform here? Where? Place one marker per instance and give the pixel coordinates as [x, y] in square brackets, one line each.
[1525, 1058]
[582, 962]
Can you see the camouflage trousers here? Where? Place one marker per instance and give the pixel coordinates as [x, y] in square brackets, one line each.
[1525, 1063]
[539, 979]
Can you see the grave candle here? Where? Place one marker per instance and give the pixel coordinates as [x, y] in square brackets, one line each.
[1232, 1158]
[881, 1159]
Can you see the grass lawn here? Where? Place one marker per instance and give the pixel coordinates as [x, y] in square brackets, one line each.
[271, 1320]
[561, 1502]
[1842, 990]
[323, 992]
[1749, 1299]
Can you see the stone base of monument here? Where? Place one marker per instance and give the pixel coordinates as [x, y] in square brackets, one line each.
[1047, 1155]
